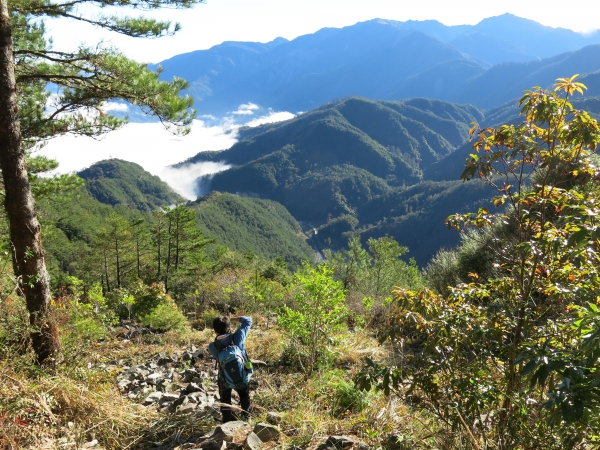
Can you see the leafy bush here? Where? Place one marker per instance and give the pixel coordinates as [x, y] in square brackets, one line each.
[205, 319]
[166, 317]
[319, 311]
[347, 397]
[14, 324]
[79, 326]
[485, 357]
[146, 299]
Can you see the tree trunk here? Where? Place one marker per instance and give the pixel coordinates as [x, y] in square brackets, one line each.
[118, 261]
[106, 271]
[27, 251]
[168, 264]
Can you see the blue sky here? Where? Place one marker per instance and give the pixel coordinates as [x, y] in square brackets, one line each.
[216, 21]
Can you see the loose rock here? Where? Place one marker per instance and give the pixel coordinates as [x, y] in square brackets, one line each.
[274, 418]
[267, 432]
[339, 442]
[252, 442]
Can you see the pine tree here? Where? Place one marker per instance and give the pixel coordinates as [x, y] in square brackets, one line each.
[85, 80]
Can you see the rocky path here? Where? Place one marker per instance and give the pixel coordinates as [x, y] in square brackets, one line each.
[186, 383]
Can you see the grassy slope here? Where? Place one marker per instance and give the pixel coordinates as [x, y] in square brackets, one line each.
[263, 227]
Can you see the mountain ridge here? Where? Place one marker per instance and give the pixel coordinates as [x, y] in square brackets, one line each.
[381, 59]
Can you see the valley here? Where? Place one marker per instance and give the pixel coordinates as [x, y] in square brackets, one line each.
[401, 215]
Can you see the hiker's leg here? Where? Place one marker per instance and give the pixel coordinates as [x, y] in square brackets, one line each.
[244, 399]
[225, 396]
[244, 402]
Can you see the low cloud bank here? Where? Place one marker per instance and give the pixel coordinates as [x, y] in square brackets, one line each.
[155, 149]
[184, 180]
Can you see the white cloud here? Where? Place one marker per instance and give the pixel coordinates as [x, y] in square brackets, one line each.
[183, 180]
[147, 144]
[273, 116]
[114, 106]
[246, 109]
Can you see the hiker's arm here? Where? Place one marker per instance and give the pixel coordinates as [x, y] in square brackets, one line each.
[242, 331]
[213, 350]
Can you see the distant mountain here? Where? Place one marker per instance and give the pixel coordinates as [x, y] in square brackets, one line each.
[507, 81]
[117, 182]
[263, 227]
[452, 165]
[343, 153]
[332, 166]
[385, 59]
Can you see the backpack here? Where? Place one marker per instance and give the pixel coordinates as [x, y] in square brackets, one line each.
[232, 362]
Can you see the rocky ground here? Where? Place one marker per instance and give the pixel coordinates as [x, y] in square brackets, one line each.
[185, 383]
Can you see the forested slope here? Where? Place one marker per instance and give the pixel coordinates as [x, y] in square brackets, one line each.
[262, 227]
[346, 167]
[118, 182]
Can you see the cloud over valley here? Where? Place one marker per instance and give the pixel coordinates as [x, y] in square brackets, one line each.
[151, 146]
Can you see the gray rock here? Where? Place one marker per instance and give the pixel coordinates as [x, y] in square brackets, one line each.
[155, 376]
[339, 442]
[234, 446]
[175, 376]
[186, 409]
[363, 446]
[252, 442]
[170, 396]
[154, 397]
[227, 431]
[183, 400]
[141, 370]
[267, 432]
[214, 412]
[193, 387]
[164, 361]
[123, 384]
[214, 445]
[274, 418]
[199, 354]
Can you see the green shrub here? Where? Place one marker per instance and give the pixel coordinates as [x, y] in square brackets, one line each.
[318, 312]
[14, 324]
[346, 397]
[145, 299]
[166, 316]
[79, 326]
[205, 319]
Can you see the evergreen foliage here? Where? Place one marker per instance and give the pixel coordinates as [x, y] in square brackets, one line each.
[118, 182]
[356, 156]
[262, 227]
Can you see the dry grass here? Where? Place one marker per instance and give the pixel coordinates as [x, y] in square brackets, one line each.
[80, 402]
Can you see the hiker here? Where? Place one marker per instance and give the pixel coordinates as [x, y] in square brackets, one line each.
[222, 343]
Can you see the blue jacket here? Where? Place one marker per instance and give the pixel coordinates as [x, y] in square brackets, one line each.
[238, 337]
